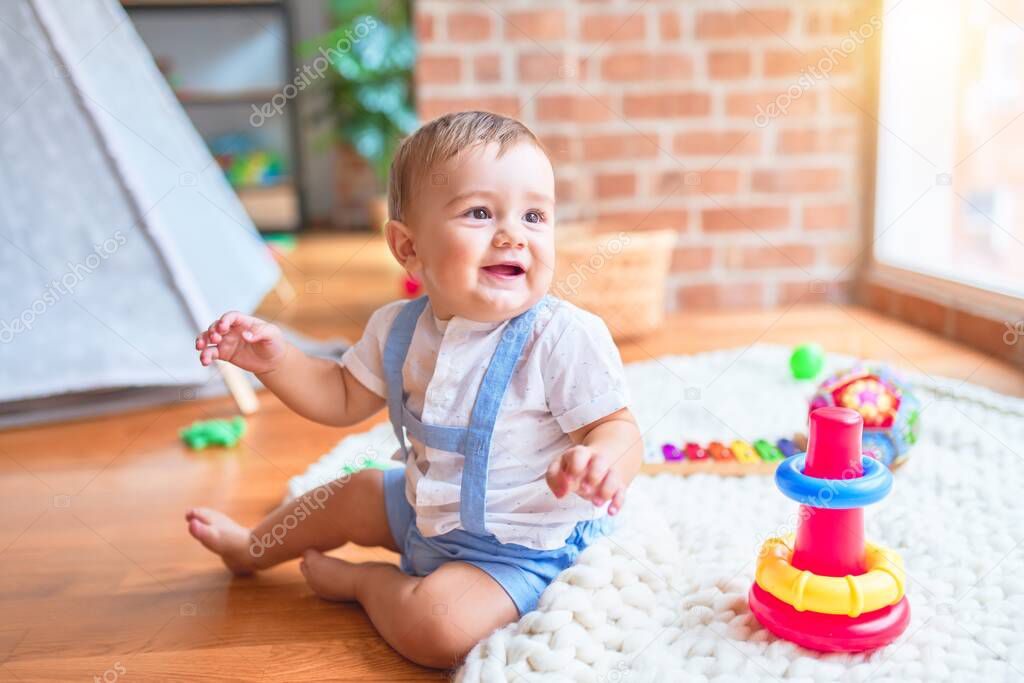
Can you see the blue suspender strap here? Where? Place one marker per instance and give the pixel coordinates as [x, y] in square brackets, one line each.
[441, 437]
[477, 446]
[475, 441]
[395, 349]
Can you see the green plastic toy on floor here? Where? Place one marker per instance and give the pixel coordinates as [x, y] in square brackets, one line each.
[368, 464]
[807, 361]
[203, 433]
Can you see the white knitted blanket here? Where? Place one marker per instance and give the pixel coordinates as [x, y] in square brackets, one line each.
[664, 598]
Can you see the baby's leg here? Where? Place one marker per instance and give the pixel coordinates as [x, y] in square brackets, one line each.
[348, 509]
[434, 620]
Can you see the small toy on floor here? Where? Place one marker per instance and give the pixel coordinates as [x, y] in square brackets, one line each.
[411, 287]
[884, 400]
[369, 464]
[738, 450]
[203, 433]
[826, 588]
[806, 361]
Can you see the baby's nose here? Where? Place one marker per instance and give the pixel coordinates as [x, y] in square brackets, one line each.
[509, 237]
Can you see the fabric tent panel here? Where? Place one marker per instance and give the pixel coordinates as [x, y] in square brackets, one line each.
[73, 317]
[189, 206]
[77, 267]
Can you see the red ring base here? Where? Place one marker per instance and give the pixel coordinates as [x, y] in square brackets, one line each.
[829, 632]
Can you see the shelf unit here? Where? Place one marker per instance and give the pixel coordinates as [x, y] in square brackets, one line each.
[234, 55]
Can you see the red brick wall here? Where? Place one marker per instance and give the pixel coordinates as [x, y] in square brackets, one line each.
[650, 114]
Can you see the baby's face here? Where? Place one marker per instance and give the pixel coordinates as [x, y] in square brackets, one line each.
[483, 232]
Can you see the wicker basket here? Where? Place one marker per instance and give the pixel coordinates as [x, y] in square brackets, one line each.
[619, 276]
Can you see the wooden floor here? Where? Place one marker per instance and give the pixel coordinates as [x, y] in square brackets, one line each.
[100, 579]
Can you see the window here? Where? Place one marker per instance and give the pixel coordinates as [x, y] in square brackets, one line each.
[949, 194]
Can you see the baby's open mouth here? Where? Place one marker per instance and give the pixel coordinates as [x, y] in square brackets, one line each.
[505, 270]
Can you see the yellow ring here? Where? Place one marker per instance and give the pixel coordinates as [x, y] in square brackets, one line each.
[880, 586]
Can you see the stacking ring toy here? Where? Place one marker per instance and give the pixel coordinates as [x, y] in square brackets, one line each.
[825, 587]
[834, 494]
[881, 586]
[830, 632]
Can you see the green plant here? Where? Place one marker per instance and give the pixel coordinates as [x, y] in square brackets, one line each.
[372, 51]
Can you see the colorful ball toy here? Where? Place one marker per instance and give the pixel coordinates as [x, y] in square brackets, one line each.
[891, 413]
[826, 588]
[806, 361]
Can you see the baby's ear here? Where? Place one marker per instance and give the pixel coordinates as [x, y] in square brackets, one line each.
[400, 241]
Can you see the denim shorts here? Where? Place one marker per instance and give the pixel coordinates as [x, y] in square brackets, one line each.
[523, 572]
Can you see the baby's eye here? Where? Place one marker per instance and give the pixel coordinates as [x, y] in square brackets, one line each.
[533, 217]
[479, 213]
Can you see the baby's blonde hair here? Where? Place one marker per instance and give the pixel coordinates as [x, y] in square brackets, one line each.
[440, 140]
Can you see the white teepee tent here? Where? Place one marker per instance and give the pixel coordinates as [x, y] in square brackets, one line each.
[119, 235]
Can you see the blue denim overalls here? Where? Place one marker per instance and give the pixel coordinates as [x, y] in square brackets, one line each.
[523, 572]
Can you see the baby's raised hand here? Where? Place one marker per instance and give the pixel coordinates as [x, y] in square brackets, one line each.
[250, 343]
[588, 474]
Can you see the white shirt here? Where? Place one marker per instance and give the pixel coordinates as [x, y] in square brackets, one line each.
[569, 375]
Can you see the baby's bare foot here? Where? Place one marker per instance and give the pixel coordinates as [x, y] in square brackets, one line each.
[329, 577]
[224, 536]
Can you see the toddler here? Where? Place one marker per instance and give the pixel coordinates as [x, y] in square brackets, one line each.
[521, 444]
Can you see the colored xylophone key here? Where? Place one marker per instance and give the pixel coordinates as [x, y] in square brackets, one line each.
[744, 452]
[767, 450]
[719, 451]
[694, 451]
[671, 453]
[787, 446]
[800, 439]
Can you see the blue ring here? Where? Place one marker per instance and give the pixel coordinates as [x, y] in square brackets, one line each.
[833, 494]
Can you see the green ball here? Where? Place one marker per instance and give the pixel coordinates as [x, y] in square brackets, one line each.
[806, 361]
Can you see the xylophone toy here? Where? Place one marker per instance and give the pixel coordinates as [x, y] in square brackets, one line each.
[738, 457]
[825, 587]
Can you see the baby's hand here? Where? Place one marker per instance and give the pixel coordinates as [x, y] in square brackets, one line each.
[250, 343]
[588, 474]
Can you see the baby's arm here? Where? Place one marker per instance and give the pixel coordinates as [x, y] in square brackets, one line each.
[320, 389]
[604, 460]
[316, 388]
